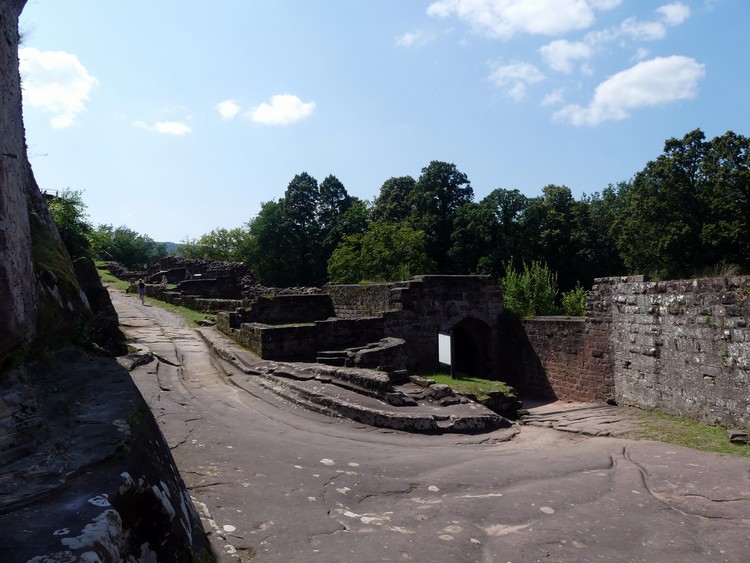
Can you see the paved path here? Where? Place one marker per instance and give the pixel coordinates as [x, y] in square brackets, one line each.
[284, 484]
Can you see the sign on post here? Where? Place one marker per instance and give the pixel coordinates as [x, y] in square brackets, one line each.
[445, 351]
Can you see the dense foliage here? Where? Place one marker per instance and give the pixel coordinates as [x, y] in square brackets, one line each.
[104, 242]
[687, 213]
[531, 291]
[69, 212]
[131, 249]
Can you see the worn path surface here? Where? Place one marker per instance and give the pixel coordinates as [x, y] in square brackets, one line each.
[283, 484]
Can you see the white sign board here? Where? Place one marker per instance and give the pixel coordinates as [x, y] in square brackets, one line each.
[444, 349]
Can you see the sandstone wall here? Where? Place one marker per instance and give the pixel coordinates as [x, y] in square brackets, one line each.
[366, 300]
[427, 304]
[680, 346]
[18, 302]
[556, 357]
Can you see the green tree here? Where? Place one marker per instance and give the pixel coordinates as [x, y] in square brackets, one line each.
[69, 212]
[300, 207]
[437, 195]
[726, 196]
[270, 250]
[131, 249]
[549, 224]
[393, 204]
[333, 204]
[230, 245]
[507, 209]
[472, 238]
[595, 235]
[662, 218]
[353, 220]
[386, 252]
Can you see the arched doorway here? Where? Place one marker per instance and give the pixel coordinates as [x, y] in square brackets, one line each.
[471, 348]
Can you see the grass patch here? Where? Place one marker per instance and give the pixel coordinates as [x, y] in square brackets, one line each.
[110, 280]
[467, 385]
[683, 432]
[191, 316]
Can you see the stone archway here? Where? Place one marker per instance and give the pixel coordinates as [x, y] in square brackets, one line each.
[472, 348]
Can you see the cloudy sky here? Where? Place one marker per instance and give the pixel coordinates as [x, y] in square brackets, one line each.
[178, 117]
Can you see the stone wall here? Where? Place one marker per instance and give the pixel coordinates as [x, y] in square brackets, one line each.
[414, 311]
[556, 357]
[303, 342]
[285, 309]
[362, 300]
[428, 304]
[679, 346]
[214, 288]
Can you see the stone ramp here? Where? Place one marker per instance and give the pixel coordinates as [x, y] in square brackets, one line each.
[359, 395]
[598, 419]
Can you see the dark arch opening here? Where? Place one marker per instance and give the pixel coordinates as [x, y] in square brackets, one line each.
[471, 348]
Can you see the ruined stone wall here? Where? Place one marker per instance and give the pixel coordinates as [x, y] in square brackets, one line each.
[303, 342]
[427, 304]
[362, 300]
[284, 309]
[214, 288]
[680, 346]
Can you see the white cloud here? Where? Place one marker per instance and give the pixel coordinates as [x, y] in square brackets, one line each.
[671, 15]
[643, 31]
[561, 54]
[674, 14]
[650, 83]
[504, 18]
[56, 82]
[283, 110]
[166, 127]
[515, 78]
[415, 39]
[553, 98]
[228, 109]
[641, 54]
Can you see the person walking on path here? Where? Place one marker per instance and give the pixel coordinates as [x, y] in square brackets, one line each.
[142, 290]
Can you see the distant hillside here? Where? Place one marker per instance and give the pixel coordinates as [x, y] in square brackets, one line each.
[171, 246]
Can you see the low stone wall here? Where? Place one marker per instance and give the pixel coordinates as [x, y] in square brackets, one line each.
[288, 343]
[288, 309]
[223, 288]
[302, 342]
[679, 346]
[362, 300]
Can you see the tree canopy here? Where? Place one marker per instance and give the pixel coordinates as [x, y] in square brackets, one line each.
[686, 213]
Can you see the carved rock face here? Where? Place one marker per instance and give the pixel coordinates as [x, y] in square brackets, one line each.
[18, 304]
[41, 296]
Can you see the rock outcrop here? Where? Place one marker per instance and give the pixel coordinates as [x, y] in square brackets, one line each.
[19, 303]
[85, 473]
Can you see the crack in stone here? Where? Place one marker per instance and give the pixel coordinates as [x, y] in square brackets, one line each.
[718, 501]
[207, 485]
[644, 473]
[168, 362]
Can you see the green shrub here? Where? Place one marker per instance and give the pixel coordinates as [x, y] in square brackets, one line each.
[530, 292]
[574, 301]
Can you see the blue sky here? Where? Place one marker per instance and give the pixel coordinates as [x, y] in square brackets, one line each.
[176, 118]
